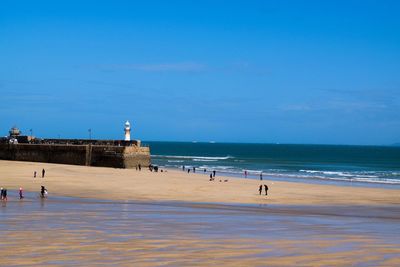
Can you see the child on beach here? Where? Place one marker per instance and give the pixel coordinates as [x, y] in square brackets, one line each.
[21, 196]
[260, 189]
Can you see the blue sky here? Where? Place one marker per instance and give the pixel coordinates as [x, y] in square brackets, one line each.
[227, 71]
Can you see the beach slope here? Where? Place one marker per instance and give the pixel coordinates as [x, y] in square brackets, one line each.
[175, 185]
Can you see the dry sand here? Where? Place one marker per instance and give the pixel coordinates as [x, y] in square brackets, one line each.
[174, 185]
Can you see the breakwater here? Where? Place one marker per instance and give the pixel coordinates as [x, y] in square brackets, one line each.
[85, 154]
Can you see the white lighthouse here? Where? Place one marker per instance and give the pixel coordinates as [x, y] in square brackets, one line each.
[127, 131]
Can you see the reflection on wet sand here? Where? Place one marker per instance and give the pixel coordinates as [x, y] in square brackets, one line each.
[68, 231]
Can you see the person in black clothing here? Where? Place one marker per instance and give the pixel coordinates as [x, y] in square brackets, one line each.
[194, 169]
[214, 173]
[183, 168]
[43, 173]
[42, 191]
[260, 189]
[2, 192]
[266, 189]
[140, 167]
[21, 195]
[261, 177]
[5, 194]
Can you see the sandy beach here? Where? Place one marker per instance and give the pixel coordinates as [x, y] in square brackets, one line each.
[103, 216]
[175, 185]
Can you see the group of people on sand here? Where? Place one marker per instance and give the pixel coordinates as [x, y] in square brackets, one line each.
[43, 173]
[4, 193]
[212, 178]
[153, 168]
[246, 173]
[43, 190]
[188, 169]
[260, 189]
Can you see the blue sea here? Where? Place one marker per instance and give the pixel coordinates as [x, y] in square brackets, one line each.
[345, 163]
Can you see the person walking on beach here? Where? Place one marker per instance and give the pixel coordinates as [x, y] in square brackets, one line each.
[261, 177]
[34, 174]
[183, 167]
[43, 191]
[140, 167]
[214, 173]
[260, 189]
[4, 194]
[266, 189]
[245, 174]
[43, 173]
[21, 196]
[194, 169]
[1, 195]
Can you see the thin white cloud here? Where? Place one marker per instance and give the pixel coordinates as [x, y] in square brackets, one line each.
[334, 105]
[355, 105]
[296, 107]
[157, 67]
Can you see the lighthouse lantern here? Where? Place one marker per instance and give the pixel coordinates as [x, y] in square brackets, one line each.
[127, 131]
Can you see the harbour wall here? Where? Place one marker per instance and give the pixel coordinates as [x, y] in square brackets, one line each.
[89, 155]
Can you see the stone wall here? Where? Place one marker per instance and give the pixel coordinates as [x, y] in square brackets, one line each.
[136, 155]
[89, 155]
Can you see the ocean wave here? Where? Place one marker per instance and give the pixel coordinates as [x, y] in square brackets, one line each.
[196, 158]
[250, 172]
[363, 177]
[345, 174]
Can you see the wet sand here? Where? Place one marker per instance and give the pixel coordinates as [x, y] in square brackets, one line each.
[83, 232]
[103, 217]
